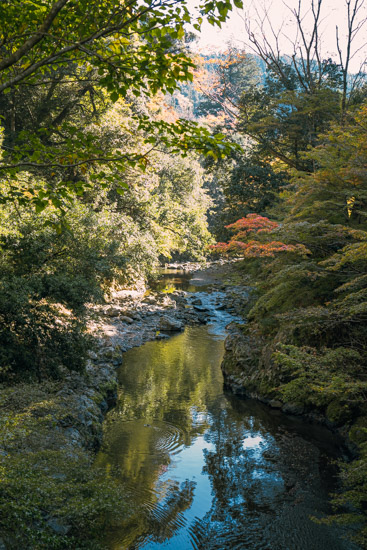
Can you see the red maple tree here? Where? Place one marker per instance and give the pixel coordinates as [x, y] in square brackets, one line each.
[258, 225]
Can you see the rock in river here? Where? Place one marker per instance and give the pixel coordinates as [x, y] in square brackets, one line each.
[169, 324]
[201, 308]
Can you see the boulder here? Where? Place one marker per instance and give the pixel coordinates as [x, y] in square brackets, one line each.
[107, 353]
[293, 408]
[74, 435]
[166, 301]
[150, 299]
[275, 404]
[126, 319]
[200, 308]
[161, 336]
[169, 325]
[112, 311]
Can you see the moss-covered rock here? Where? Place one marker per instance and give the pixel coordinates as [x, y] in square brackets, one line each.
[247, 365]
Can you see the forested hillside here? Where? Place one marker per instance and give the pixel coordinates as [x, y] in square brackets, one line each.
[294, 207]
[122, 148]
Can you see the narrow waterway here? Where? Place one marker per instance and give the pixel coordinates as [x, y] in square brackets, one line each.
[204, 469]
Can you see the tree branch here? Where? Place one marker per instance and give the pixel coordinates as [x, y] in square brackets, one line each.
[37, 37]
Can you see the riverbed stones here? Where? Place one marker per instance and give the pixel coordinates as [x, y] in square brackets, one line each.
[161, 336]
[202, 319]
[135, 315]
[108, 353]
[150, 299]
[201, 308]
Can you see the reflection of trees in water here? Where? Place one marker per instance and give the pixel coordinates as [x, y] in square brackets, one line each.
[171, 394]
[167, 516]
[245, 492]
[247, 485]
[243, 482]
[265, 483]
[163, 385]
[172, 280]
[163, 380]
[153, 519]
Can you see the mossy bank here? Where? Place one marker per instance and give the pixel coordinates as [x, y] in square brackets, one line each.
[298, 382]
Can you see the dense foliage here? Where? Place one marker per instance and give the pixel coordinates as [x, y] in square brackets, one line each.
[100, 180]
[93, 192]
[307, 319]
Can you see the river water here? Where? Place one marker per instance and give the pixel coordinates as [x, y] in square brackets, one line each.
[204, 469]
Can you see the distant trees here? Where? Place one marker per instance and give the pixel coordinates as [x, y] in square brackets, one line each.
[306, 64]
[298, 96]
[221, 80]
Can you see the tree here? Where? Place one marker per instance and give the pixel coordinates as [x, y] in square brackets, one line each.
[221, 80]
[307, 59]
[100, 34]
[258, 226]
[297, 100]
[96, 51]
[304, 91]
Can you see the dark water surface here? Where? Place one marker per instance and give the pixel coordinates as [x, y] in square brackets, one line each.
[206, 470]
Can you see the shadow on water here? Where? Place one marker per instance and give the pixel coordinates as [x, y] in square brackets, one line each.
[203, 469]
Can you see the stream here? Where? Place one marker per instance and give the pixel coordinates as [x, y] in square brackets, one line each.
[202, 468]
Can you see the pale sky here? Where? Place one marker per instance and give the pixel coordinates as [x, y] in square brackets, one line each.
[333, 13]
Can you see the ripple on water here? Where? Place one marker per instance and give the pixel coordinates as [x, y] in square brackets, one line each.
[159, 516]
[163, 437]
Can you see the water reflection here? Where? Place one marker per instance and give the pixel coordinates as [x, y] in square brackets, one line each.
[203, 469]
[171, 279]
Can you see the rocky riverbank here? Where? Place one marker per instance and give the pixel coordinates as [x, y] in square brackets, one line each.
[130, 318]
[50, 430]
[249, 371]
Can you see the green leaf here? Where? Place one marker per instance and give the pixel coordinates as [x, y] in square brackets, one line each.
[114, 96]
